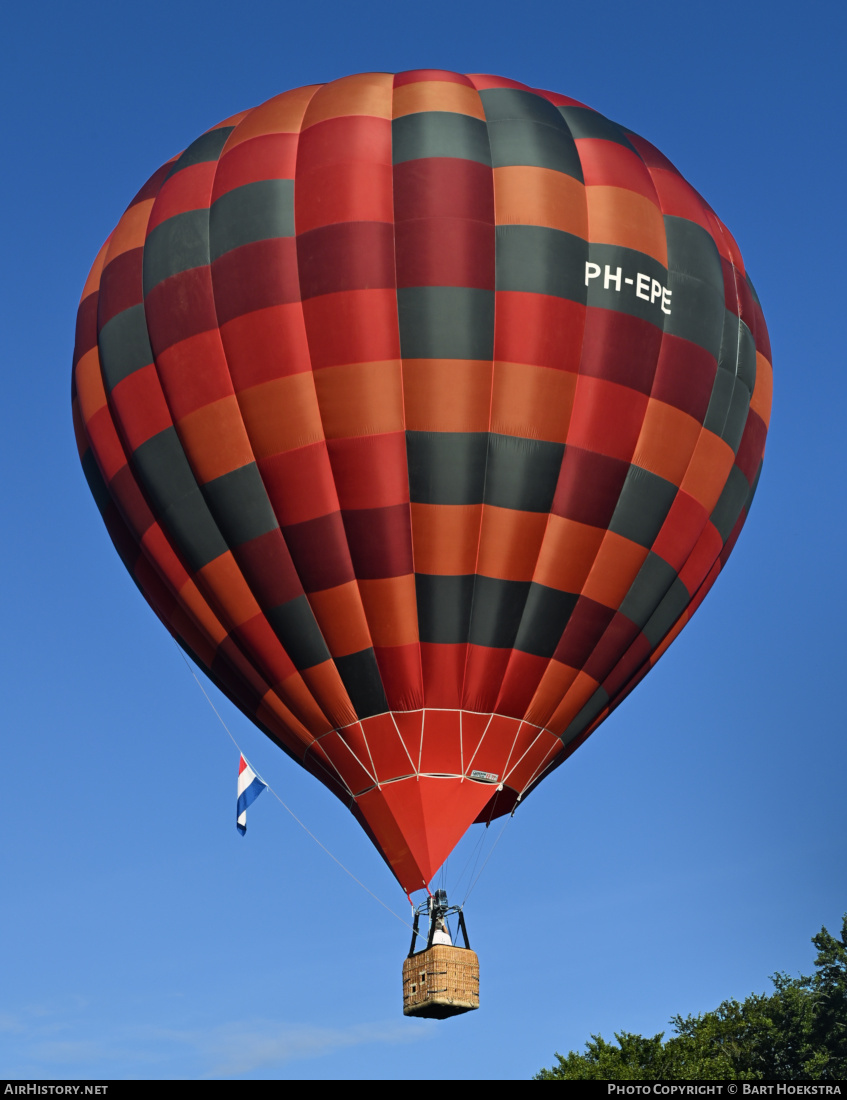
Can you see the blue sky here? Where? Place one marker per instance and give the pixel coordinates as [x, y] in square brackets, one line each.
[687, 851]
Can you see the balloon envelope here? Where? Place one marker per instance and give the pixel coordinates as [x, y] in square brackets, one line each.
[423, 410]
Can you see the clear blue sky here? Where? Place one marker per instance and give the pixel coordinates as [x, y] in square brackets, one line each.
[688, 850]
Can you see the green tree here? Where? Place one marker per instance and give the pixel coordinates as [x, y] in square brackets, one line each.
[633, 1059]
[827, 989]
[798, 1032]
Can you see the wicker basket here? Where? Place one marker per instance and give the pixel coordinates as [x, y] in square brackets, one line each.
[440, 982]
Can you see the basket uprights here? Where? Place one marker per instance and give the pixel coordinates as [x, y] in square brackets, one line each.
[436, 908]
[463, 927]
[414, 932]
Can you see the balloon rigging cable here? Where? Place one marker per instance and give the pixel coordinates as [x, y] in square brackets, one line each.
[473, 858]
[485, 863]
[288, 808]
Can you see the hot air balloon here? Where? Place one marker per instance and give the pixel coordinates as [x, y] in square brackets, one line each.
[424, 410]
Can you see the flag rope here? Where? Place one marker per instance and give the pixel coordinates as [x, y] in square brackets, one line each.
[284, 806]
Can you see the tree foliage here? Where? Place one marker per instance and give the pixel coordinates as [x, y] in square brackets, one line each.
[798, 1032]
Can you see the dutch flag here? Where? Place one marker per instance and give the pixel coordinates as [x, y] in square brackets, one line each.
[249, 789]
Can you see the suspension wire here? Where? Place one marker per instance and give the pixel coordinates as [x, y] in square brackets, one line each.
[490, 854]
[477, 854]
[284, 806]
[474, 852]
[487, 824]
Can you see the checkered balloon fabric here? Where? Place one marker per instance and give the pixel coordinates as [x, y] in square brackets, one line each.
[424, 410]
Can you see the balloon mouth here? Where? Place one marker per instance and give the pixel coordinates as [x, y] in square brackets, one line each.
[417, 780]
[502, 802]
